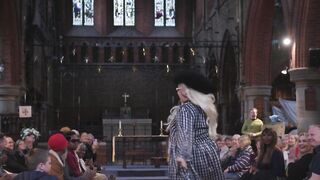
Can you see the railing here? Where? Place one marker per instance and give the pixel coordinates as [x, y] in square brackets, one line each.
[95, 50]
[141, 148]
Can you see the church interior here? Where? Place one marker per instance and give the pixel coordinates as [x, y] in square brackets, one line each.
[80, 63]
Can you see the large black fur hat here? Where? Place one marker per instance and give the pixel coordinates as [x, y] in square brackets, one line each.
[194, 80]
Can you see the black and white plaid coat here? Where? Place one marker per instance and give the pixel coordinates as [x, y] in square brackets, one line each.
[189, 139]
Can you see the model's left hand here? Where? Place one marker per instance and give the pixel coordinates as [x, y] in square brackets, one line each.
[182, 162]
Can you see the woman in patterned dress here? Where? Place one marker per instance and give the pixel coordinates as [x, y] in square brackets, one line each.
[193, 154]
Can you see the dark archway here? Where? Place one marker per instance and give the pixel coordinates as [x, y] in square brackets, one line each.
[230, 109]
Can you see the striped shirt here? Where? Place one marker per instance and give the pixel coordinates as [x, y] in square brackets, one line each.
[243, 161]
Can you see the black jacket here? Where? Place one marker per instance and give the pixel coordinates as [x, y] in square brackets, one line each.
[34, 175]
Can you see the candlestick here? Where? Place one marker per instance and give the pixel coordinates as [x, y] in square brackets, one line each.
[161, 128]
[120, 129]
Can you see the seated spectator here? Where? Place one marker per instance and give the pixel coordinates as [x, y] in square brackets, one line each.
[270, 162]
[228, 141]
[20, 148]
[293, 149]
[3, 156]
[222, 146]
[81, 150]
[29, 136]
[58, 152]
[39, 162]
[314, 139]
[91, 148]
[229, 158]
[72, 159]
[298, 169]
[12, 164]
[282, 144]
[243, 159]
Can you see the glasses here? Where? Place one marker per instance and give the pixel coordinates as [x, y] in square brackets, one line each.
[75, 140]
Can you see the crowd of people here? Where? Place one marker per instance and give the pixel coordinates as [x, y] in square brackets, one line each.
[291, 156]
[69, 155]
[258, 154]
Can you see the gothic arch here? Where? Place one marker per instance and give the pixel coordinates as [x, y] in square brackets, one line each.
[229, 102]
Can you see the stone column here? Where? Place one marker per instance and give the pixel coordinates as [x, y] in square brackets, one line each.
[258, 97]
[307, 82]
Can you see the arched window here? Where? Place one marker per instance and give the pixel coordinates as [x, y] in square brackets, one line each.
[164, 12]
[123, 12]
[83, 11]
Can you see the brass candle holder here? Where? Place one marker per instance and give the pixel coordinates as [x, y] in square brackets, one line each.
[120, 132]
[161, 132]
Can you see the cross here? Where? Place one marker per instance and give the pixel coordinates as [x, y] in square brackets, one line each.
[25, 112]
[125, 96]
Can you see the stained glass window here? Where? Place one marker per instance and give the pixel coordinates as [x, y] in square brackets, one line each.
[164, 13]
[83, 12]
[124, 12]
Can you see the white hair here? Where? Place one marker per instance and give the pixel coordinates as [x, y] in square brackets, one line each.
[206, 102]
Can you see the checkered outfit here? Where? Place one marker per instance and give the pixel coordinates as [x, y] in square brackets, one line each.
[189, 139]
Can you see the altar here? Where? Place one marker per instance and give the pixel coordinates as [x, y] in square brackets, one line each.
[129, 127]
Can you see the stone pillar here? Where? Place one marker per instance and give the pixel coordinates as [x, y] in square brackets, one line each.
[307, 82]
[9, 99]
[258, 97]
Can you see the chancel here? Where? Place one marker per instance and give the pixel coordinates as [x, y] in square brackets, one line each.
[120, 57]
[127, 125]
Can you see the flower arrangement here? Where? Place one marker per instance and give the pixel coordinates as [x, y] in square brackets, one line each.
[29, 131]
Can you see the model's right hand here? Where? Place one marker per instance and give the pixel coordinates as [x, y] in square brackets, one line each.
[181, 162]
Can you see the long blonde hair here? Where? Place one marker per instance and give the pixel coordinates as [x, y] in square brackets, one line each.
[206, 102]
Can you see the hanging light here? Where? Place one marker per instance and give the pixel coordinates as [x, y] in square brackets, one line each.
[286, 41]
[168, 68]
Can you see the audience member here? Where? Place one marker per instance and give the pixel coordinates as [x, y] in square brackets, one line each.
[72, 159]
[293, 149]
[29, 136]
[270, 162]
[12, 165]
[252, 126]
[39, 162]
[228, 141]
[314, 139]
[222, 147]
[58, 151]
[20, 148]
[243, 160]
[298, 170]
[81, 150]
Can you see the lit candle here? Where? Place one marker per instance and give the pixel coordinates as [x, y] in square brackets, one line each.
[119, 124]
[161, 124]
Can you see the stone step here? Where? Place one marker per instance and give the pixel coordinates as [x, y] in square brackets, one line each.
[143, 172]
